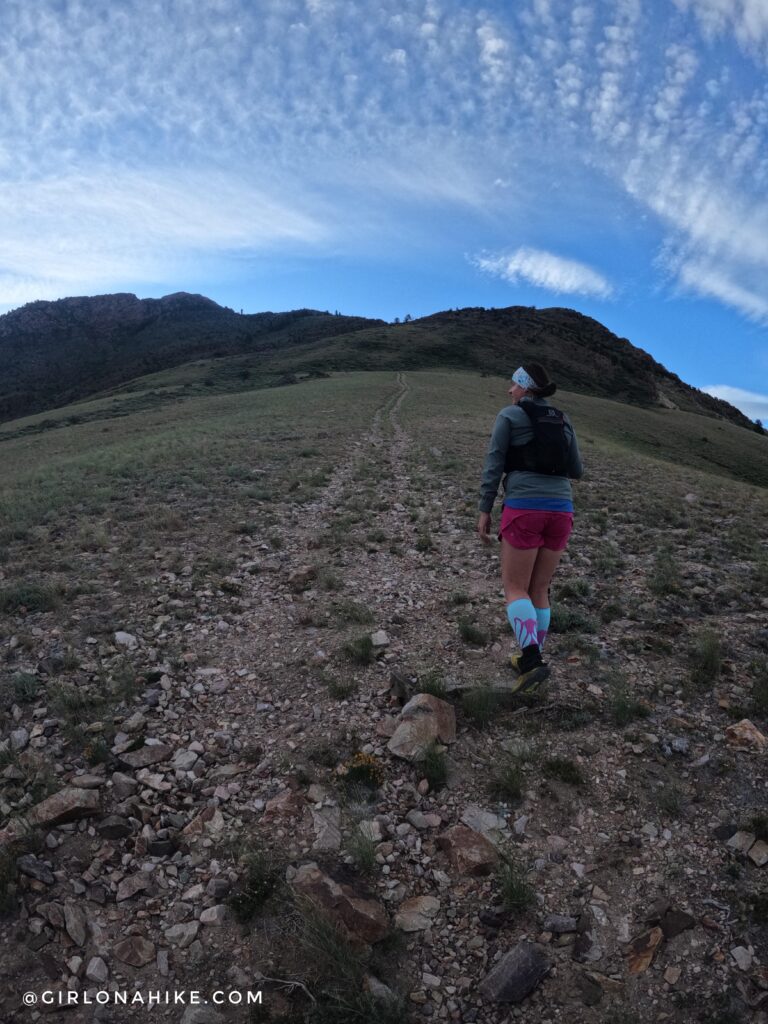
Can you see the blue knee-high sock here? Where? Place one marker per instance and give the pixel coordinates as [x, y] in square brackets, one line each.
[543, 615]
[522, 619]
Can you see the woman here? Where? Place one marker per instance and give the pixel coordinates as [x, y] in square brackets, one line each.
[538, 510]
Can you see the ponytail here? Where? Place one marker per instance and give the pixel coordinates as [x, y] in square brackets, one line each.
[544, 386]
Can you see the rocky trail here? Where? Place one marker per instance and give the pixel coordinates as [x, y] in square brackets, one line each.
[331, 723]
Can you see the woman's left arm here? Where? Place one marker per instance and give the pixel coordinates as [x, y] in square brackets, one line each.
[493, 470]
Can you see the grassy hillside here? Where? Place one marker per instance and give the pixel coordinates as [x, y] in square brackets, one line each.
[680, 438]
[75, 349]
[253, 545]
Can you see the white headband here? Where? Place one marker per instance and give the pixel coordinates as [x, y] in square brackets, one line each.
[525, 380]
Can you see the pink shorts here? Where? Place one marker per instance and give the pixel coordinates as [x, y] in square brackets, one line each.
[531, 528]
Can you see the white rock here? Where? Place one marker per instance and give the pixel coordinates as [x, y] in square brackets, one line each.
[742, 956]
[97, 970]
[126, 640]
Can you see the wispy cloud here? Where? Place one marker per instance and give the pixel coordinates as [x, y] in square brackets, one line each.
[751, 404]
[713, 283]
[303, 123]
[545, 270]
[93, 230]
[746, 19]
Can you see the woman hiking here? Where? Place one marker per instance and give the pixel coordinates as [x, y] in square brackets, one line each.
[535, 446]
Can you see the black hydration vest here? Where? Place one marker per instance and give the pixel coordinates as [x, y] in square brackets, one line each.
[550, 448]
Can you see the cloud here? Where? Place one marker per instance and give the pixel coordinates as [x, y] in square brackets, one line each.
[753, 405]
[304, 123]
[100, 229]
[746, 19]
[714, 284]
[545, 270]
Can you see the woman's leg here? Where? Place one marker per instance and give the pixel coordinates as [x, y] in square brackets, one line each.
[541, 576]
[516, 568]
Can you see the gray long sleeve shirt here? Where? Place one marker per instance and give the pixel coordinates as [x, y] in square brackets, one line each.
[523, 489]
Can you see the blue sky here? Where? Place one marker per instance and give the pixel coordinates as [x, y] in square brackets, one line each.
[401, 156]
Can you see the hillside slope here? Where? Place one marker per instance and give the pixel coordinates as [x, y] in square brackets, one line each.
[53, 353]
[58, 352]
[193, 680]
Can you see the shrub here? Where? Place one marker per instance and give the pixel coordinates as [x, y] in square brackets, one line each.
[363, 770]
[434, 767]
[665, 578]
[624, 707]
[471, 634]
[259, 879]
[516, 894]
[335, 969]
[706, 658]
[669, 800]
[25, 687]
[759, 672]
[362, 850]
[571, 620]
[351, 611]
[506, 779]
[341, 689]
[564, 770]
[32, 596]
[432, 682]
[480, 705]
[360, 649]
[573, 589]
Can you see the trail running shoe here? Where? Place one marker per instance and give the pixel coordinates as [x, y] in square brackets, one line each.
[530, 681]
[514, 661]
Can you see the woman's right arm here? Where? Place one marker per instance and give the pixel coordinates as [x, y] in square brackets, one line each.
[575, 465]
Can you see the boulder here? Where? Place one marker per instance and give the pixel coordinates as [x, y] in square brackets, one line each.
[516, 975]
[416, 914]
[361, 918]
[745, 736]
[135, 950]
[423, 721]
[150, 753]
[69, 804]
[469, 852]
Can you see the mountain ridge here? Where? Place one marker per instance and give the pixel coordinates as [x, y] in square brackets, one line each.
[69, 349]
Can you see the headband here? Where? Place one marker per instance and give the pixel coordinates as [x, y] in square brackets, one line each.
[525, 380]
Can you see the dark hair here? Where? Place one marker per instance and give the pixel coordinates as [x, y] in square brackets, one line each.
[544, 386]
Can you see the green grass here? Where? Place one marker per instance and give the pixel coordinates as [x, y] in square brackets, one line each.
[669, 800]
[571, 620]
[334, 968]
[352, 611]
[434, 767]
[359, 650]
[35, 597]
[480, 705]
[516, 893]
[505, 781]
[260, 876]
[563, 770]
[362, 850]
[664, 580]
[623, 706]
[758, 670]
[706, 659]
[472, 634]
[341, 689]
[25, 687]
[432, 681]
